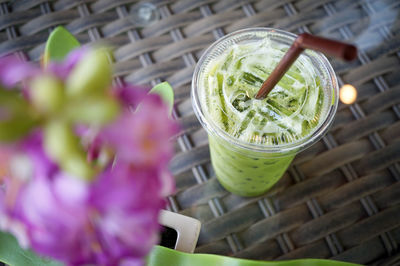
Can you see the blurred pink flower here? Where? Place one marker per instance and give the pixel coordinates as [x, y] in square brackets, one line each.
[143, 136]
[54, 213]
[110, 220]
[63, 68]
[14, 70]
[113, 219]
[130, 96]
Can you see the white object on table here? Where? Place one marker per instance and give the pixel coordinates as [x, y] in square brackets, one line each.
[188, 229]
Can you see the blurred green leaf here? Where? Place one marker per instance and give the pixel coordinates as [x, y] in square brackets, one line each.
[92, 75]
[16, 119]
[166, 92]
[59, 44]
[47, 94]
[12, 254]
[93, 110]
[164, 256]
[63, 146]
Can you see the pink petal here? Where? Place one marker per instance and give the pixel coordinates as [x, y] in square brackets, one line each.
[63, 69]
[13, 70]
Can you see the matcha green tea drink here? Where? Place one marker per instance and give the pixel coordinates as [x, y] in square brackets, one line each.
[252, 142]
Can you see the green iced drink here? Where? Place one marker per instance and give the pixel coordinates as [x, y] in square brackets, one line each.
[252, 142]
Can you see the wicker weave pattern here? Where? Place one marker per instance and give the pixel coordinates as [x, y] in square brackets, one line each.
[340, 199]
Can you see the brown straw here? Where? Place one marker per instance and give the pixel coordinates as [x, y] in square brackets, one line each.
[304, 41]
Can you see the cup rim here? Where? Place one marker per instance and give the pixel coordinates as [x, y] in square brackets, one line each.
[286, 148]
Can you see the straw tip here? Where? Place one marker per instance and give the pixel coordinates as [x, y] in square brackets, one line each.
[350, 53]
[302, 36]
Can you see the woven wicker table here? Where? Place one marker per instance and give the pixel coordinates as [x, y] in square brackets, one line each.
[340, 199]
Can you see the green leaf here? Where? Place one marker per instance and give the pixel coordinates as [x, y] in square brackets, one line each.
[12, 254]
[47, 94]
[63, 146]
[16, 119]
[93, 110]
[59, 44]
[166, 92]
[164, 256]
[92, 75]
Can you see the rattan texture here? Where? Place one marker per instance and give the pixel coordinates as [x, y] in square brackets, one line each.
[340, 199]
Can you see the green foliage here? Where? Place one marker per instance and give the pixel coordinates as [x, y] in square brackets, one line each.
[12, 254]
[166, 92]
[91, 76]
[165, 256]
[59, 44]
[16, 118]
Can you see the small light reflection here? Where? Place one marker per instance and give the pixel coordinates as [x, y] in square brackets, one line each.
[348, 94]
[144, 14]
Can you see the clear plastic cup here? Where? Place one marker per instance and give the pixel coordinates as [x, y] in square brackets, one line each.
[246, 168]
